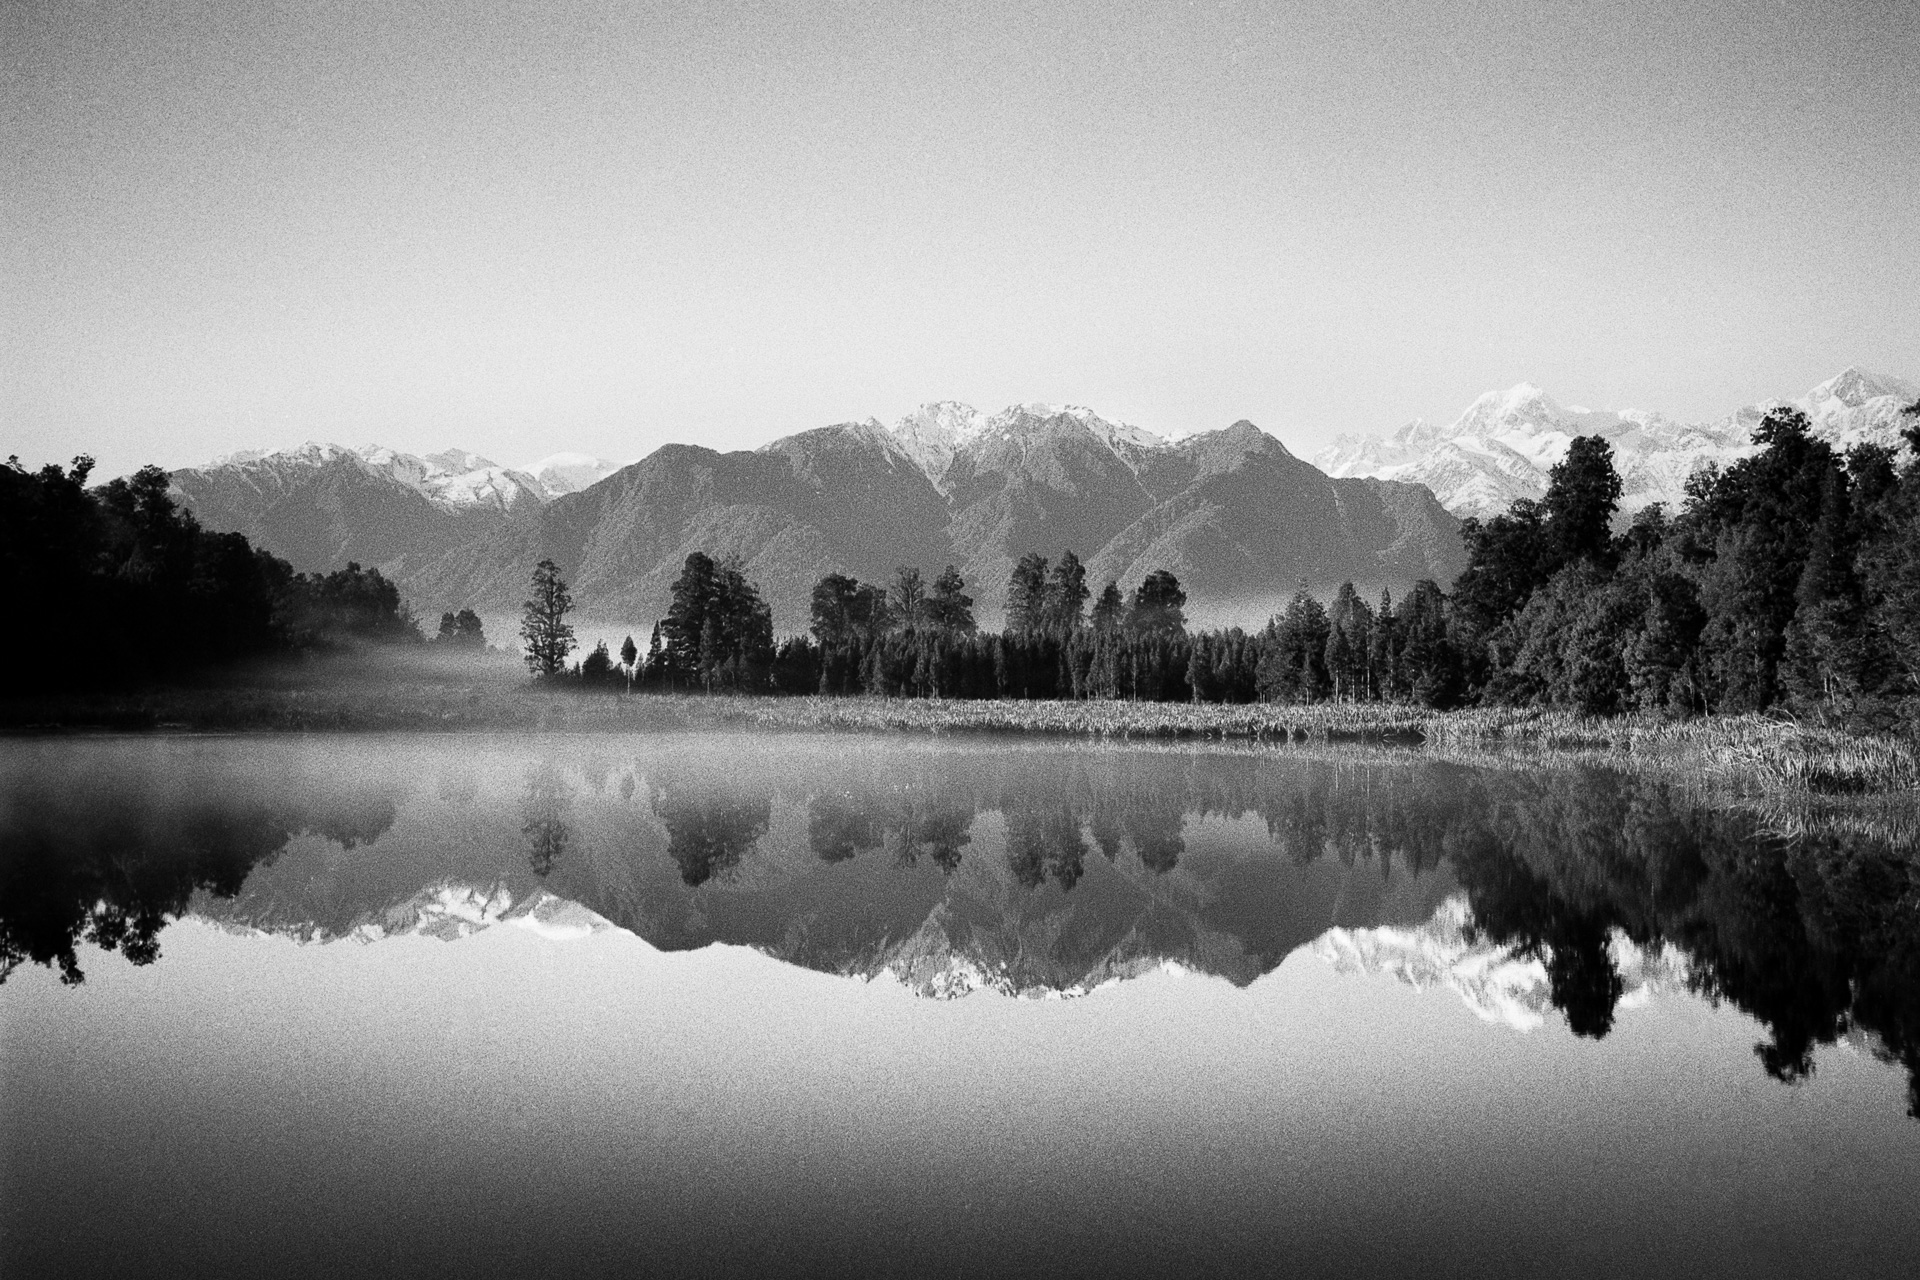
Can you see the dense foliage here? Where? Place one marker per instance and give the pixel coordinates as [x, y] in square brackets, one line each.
[117, 584]
[1790, 578]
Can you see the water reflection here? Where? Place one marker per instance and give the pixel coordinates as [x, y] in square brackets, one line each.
[953, 868]
[543, 814]
[709, 829]
[109, 860]
[1044, 843]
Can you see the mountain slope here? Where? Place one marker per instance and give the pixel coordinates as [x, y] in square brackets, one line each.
[1247, 521]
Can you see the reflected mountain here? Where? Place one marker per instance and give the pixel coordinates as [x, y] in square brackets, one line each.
[1025, 870]
[1499, 983]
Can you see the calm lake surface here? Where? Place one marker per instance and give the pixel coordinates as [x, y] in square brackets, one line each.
[704, 1003]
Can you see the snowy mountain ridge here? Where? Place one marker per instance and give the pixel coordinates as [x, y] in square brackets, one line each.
[935, 432]
[457, 479]
[1499, 986]
[1502, 447]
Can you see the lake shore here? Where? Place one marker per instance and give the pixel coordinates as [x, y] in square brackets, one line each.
[1753, 755]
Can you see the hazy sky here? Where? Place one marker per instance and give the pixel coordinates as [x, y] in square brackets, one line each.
[524, 228]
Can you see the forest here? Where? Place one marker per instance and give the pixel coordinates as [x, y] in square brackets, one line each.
[119, 586]
[1790, 579]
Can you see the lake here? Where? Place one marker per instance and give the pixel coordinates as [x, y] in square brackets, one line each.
[702, 1003]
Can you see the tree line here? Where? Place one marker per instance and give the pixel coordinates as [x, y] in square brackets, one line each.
[1791, 577]
[118, 584]
[912, 638]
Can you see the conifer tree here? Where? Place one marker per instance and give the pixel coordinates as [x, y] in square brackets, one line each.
[1583, 492]
[950, 608]
[1159, 606]
[1027, 594]
[1066, 598]
[543, 626]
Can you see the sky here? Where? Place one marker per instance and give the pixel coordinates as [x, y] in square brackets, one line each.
[585, 225]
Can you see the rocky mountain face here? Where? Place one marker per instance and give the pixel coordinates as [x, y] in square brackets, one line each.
[1503, 446]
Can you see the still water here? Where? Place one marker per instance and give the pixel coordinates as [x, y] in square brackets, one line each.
[699, 1004]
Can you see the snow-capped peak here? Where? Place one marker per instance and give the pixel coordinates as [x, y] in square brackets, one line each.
[560, 473]
[1113, 433]
[1854, 387]
[1505, 445]
[456, 462]
[456, 478]
[933, 433]
[1520, 405]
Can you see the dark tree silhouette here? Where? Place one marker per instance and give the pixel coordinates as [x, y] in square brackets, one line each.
[1027, 594]
[1066, 596]
[718, 632]
[1159, 606]
[461, 630]
[950, 608]
[543, 626]
[1583, 492]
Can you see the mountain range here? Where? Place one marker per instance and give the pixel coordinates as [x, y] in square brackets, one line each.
[1503, 446]
[1236, 516]
[1239, 519]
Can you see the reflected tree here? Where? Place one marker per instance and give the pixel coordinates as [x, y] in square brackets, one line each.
[1045, 843]
[1155, 833]
[840, 825]
[940, 828]
[543, 811]
[708, 833]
